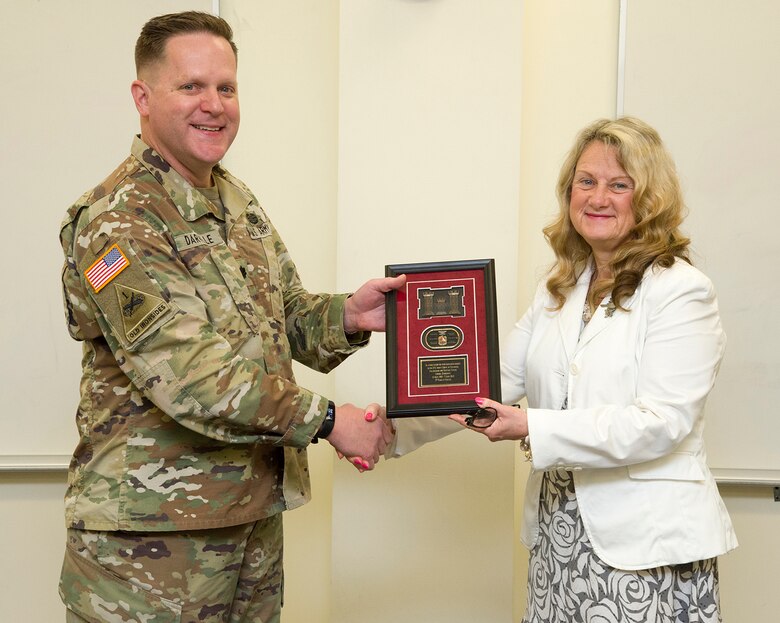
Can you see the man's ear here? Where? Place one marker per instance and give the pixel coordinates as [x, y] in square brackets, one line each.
[140, 91]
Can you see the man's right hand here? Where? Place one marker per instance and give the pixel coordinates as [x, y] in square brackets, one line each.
[355, 435]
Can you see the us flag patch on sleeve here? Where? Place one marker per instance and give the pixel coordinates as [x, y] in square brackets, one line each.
[106, 267]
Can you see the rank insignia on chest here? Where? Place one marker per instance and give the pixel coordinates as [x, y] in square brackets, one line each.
[106, 267]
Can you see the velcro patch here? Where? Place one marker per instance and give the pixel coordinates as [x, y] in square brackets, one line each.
[193, 239]
[259, 231]
[139, 310]
[133, 305]
[106, 267]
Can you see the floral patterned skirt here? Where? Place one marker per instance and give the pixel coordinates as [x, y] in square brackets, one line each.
[568, 583]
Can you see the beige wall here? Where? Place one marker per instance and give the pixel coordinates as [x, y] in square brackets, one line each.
[287, 152]
[428, 159]
[69, 122]
[569, 78]
[365, 126]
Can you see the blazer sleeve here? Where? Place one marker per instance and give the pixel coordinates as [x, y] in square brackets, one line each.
[412, 433]
[515, 349]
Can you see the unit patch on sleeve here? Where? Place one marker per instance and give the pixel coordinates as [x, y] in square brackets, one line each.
[106, 267]
[139, 310]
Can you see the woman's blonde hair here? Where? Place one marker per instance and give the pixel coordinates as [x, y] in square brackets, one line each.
[657, 205]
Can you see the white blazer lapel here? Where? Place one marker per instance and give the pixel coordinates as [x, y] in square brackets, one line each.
[598, 322]
[570, 318]
[602, 317]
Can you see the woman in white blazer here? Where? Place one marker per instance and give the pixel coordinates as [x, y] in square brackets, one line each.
[616, 357]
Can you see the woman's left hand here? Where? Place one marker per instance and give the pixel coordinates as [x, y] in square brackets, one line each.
[510, 423]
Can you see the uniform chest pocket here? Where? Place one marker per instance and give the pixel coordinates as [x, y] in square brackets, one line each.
[221, 287]
[233, 277]
[262, 270]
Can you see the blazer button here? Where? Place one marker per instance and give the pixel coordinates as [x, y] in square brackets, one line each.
[573, 369]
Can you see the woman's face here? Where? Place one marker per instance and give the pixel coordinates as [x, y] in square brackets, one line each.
[601, 197]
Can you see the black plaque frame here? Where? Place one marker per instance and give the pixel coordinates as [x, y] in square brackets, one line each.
[488, 323]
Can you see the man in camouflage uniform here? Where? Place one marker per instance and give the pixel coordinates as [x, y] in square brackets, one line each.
[193, 432]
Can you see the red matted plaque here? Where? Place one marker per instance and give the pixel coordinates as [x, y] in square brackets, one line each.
[442, 340]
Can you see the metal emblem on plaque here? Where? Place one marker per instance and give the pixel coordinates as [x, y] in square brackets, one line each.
[442, 337]
[441, 302]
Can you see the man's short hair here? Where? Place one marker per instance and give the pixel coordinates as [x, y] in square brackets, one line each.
[150, 46]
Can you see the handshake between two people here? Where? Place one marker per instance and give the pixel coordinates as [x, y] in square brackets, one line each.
[361, 435]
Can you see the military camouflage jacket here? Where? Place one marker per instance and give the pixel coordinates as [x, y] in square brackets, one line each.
[189, 415]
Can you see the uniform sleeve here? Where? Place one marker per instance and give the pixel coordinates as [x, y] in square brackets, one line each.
[153, 316]
[314, 323]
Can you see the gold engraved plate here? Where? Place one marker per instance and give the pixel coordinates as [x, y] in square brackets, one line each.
[443, 371]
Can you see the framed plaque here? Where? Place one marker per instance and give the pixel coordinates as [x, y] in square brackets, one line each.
[442, 341]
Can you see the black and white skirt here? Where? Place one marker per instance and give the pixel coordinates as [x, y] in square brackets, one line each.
[568, 583]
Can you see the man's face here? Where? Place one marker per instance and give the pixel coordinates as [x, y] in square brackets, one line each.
[188, 103]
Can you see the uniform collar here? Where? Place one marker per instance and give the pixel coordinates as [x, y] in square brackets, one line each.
[190, 203]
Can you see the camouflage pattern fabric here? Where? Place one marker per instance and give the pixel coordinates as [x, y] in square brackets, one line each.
[225, 575]
[189, 415]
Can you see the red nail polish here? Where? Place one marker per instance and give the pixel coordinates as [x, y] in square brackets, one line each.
[479, 401]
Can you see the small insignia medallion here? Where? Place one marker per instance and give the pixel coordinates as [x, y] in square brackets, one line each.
[442, 337]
